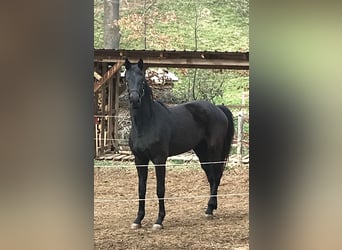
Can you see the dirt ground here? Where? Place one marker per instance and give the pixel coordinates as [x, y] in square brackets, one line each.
[185, 226]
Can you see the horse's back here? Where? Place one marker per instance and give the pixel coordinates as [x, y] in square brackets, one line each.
[180, 128]
[194, 122]
[208, 114]
[185, 131]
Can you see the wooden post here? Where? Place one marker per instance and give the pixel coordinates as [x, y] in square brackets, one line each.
[105, 139]
[116, 108]
[96, 142]
[103, 109]
[239, 137]
[102, 128]
[96, 112]
[110, 114]
[106, 91]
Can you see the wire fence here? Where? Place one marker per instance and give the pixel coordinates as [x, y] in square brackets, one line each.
[168, 164]
[105, 141]
[127, 199]
[240, 197]
[112, 116]
[98, 200]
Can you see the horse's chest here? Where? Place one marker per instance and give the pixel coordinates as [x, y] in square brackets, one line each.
[139, 145]
[147, 145]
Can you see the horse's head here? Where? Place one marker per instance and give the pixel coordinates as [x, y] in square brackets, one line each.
[135, 79]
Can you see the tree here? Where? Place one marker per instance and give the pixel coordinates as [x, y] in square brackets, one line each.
[111, 24]
[140, 26]
[197, 10]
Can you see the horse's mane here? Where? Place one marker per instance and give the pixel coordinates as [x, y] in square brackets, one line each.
[162, 104]
[148, 89]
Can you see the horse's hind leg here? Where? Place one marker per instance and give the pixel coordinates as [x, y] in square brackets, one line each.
[205, 156]
[142, 174]
[160, 173]
[214, 173]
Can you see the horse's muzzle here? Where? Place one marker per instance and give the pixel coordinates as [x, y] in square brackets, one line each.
[134, 99]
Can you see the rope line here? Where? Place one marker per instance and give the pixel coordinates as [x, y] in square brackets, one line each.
[170, 198]
[127, 116]
[112, 116]
[161, 165]
[108, 139]
[111, 139]
[246, 118]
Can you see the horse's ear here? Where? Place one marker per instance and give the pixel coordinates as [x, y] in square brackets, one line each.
[141, 64]
[127, 64]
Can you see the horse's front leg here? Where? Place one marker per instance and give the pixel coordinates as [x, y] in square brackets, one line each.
[160, 174]
[142, 174]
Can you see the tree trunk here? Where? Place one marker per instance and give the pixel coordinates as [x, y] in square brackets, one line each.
[196, 47]
[194, 80]
[111, 25]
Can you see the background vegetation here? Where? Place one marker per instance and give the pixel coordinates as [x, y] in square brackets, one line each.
[221, 25]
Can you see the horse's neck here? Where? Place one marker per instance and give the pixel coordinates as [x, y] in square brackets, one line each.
[142, 117]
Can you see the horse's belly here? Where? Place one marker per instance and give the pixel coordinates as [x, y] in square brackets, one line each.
[185, 141]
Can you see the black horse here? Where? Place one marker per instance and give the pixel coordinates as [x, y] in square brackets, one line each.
[158, 132]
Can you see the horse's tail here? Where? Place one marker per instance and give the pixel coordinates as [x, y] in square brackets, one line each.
[230, 133]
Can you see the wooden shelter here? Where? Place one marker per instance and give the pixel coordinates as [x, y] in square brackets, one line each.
[107, 87]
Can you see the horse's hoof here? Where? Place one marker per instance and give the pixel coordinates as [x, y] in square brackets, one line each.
[135, 226]
[209, 216]
[157, 227]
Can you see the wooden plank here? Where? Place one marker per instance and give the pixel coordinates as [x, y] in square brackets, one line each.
[178, 59]
[119, 157]
[108, 75]
[108, 157]
[189, 63]
[168, 54]
[97, 76]
[105, 135]
[128, 157]
[125, 152]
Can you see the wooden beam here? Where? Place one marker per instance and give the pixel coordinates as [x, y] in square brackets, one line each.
[192, 63]
[178, 59]
[108, 75]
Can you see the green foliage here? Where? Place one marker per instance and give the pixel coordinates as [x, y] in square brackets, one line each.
[221, 25]
[177, 161]
[240, 7]
[98, 24]
[235, 85]
[217, 86]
